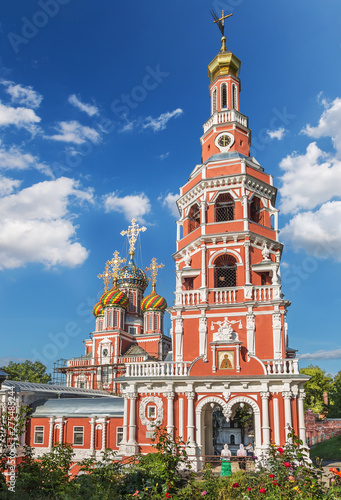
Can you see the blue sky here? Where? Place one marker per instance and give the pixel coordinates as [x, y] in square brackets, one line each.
[102, 106]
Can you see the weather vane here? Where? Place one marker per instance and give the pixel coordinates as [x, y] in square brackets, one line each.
[106, 275]
[154, 267]
[132, 233]
[115, 264]
[220, 21]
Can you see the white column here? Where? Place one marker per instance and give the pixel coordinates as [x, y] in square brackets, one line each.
[203, 217]
[250, 332]
[276, 421]
[245, 212]
[104, 433]
[132, 418]
[301, 423]
[203, 335]
[92, 435]
[190, 418]
[170, 417]
[181, 418]
[277, 334]
[178, 228]
[203, 266]
[265, 419]
[247, 262]
[287, 412]
[178, 331]
[51, 422]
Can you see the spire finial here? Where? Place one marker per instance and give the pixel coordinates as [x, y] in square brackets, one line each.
[106, 275]
[132, 233]
[220, 21]
[116, 262]
[153, 271]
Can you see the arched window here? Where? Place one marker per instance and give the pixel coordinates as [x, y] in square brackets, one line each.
[225, 271]
[256, 210]
[131, 302]
[232, 439]
[214, 101]
[224, 208]
[223, 95]
[194, 218]
[234, 97]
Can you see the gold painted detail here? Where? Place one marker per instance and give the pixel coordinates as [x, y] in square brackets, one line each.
[132, 233]
[106, 275]
[116, 264]
[154, 267]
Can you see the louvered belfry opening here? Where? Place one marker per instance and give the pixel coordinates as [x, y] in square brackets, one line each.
[194, 218]
[224, 208]
[256, 211]
[225, 272]
[224, 95]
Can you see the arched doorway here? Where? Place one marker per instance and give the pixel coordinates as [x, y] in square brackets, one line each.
[234, 422]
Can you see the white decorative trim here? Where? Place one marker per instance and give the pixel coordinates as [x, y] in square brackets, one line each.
[159, 405]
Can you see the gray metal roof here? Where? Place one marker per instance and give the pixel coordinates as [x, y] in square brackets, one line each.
[51, 388]
[225, 156]
[79, 407]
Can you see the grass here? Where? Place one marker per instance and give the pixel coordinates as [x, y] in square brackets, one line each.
[328, 450]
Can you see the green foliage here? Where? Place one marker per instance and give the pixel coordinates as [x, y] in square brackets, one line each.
[328, 450]
[335, 398]
[27, 372]
[315, 387]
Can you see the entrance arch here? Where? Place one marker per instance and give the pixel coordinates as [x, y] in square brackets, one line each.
[204, 426]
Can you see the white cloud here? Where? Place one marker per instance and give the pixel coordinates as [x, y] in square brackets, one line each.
[132, 206]
[13, 158]
[318, 233]
[169, 202]
[7, 185]
[160, 123]
[23, 95]
[74, 132]
[19, 117]
[309, 179]
[277, 134]
[89, 109]
[37, 225]
[333, 354]
[164, 156]
[329, 124]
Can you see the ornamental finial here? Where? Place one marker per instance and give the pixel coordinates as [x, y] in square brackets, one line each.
[153, 271]
[116, 262]
[132, 233]
[106, 275]
[221, 25]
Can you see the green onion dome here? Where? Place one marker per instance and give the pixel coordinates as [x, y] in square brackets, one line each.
[131, 276]
[153, 302]
[115, 298]
[98, 310]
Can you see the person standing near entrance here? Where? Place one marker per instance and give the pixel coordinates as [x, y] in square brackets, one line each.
[226, 461]
[249, 450]
[241, 454]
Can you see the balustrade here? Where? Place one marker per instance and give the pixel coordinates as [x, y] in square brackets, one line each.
[161, 369]
[226, 116]
[281, 366]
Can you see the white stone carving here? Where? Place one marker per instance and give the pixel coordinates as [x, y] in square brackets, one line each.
[225, 330]
[226, 395]
[149, 423]
[265, 252]
[187, 259]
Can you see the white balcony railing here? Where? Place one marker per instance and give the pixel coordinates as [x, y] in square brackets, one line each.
[188, 298]
[225, 295]
[262, 293]
[229, 115]
[161, 369]
[281, 366]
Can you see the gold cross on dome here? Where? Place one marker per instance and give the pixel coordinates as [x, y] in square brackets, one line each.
[220, 20]
[106, 275]
[116, 263]
[132, 233]
[154, 270]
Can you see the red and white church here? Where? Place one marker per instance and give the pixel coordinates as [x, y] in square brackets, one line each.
[229, 342]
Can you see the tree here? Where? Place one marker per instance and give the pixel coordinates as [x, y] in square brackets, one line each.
[315, 388]
[335, 398]
[27, 372]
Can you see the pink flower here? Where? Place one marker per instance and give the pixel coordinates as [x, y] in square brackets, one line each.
[235, 485]
[286, 464]
[248, 489]
[280, 451]
[271, 475]
[203, 493]
[291, 478]
[262, 490]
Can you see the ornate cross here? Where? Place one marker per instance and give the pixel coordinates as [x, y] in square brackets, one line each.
[116, 263]
[220, 21]
[132, 233]
[154, 270]
[106, 275]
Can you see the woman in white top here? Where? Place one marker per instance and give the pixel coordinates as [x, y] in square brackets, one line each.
[225, 464]
[241, 454]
